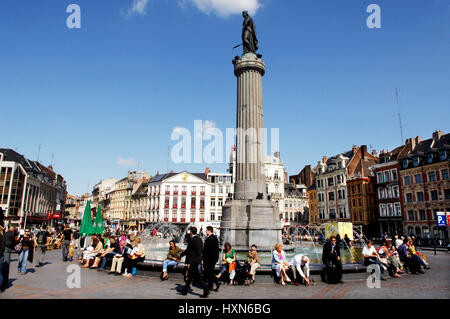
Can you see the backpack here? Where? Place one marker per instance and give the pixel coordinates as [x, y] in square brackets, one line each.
[41, 238]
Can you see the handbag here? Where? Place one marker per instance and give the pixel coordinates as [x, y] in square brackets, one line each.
[18, 248]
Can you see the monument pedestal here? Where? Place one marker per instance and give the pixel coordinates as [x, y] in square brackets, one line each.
[248, 222]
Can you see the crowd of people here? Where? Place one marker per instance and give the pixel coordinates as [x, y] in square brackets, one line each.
[122, 251]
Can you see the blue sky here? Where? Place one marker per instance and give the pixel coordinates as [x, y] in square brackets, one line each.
[117, 87]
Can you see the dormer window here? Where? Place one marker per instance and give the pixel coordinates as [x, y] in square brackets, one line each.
[416, 161]
[430, 158]
[405, 163]
[443, 155]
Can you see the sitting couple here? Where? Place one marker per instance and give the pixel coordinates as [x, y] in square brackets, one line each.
[299, 266]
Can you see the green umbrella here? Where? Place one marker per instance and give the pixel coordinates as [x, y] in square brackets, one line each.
[86, 228]
[98, 223]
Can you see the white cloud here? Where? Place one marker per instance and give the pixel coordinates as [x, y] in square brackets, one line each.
[126, 162]
[139, 7]
[224, 8]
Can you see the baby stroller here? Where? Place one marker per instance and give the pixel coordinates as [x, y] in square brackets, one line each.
[242, 273]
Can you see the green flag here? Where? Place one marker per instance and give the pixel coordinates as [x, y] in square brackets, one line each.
[86, 228]
[98, 223]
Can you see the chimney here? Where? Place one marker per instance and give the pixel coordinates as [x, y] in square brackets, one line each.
[324, 159]
[418, 140]
[363, 151]
[411, 142]
[437, 136]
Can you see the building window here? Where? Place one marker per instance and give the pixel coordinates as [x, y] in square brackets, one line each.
[213, 217]
[213, 189]
[220, 202]
[394, 174]
[220, 189]
[422, 215]
[387, 177]
[396, 191]
[379, 177]
[330, 181]
[447, 194]
[332, 213]
[220, 179]
[443, 155]
[390, 210]
[380, 193]
[411, 215]
[175, 190]
[409, 198]
[416, 161]
[444, 174]
[430, 158]
[213, 202]
[418, 178]
[407, 180]
[405, 163]
[331, 196]
[193, 190]
[167, 190]
[202, 202]
[397, 209]
[228, 179]
[420, 196]
[183, 202]
[192, 202]
[434, 195]
[382, 210]
[228, 190]
[202, 190]
[432, 176]
[183, 190]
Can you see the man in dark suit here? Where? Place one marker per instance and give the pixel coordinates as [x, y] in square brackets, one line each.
[211, 253]
[193, 254]
[332, 256]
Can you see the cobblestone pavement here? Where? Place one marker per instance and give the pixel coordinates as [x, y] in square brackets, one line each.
[50, 280]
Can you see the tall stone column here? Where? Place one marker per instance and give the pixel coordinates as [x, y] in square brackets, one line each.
[250, 179]
[250, 219]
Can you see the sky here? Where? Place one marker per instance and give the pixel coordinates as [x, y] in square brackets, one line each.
[103, 99]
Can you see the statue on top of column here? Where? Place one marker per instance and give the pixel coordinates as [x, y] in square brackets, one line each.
[249, 40]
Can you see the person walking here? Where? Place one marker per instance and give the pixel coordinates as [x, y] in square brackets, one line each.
[193, 253]
[2, 252]
[10, 242]
[41, 240]
[67, 237]
[211, 252]
[27, 246]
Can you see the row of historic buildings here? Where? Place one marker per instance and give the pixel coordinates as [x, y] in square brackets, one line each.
[183, 198]
[30, 193]
[398, 191]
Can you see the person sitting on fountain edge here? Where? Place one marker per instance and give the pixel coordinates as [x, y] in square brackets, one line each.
[300, 265]
[331, 256]
[280, 264]
[173, 258]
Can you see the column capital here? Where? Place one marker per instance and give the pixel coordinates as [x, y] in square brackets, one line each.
[249, 61]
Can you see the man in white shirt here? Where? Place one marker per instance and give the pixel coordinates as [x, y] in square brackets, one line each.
[300, 263]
